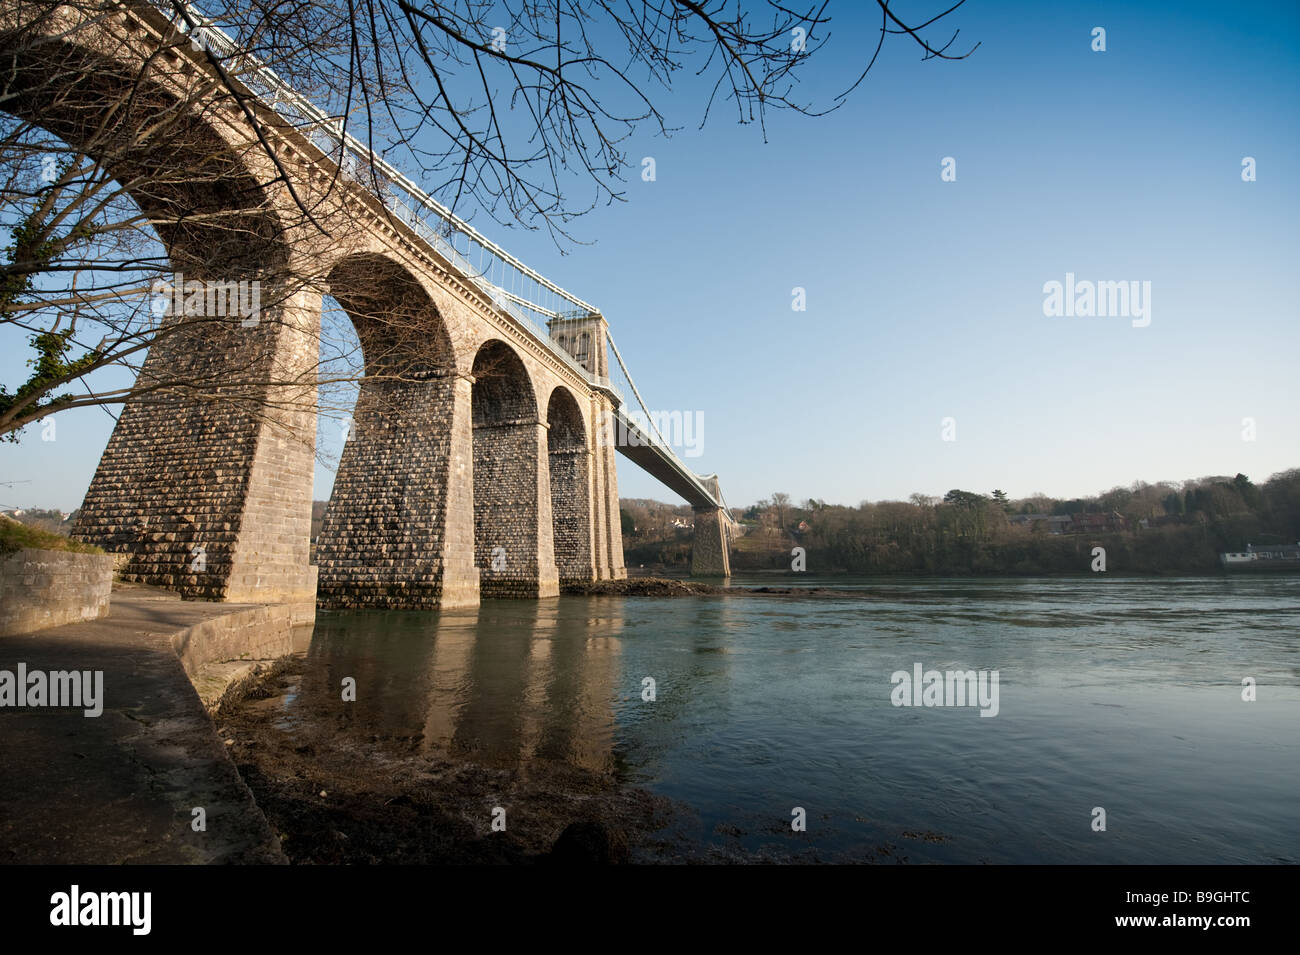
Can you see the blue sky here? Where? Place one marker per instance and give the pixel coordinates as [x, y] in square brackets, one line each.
[925, 298]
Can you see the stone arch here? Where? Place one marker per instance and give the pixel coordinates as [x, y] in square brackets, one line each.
[393, 533]
[503, 388]
[512, 502]
[569, 461]
[403, 334]
[242, 535]
[211, 207]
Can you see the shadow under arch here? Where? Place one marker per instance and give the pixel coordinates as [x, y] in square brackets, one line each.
[402, 334]
[513, 546]
[569, 461]
[202, 401]
[211, 209]
[392, 536]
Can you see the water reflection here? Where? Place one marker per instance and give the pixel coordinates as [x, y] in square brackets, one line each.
[1123, 693]
[506, 684]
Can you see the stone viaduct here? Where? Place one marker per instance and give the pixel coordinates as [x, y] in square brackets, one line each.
[475, 466]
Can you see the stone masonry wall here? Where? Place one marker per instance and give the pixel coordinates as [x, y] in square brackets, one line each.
[612, 523]
[270, 559]
[48, 588]
[709, 555]
[595, 493]
[397, 533]
[571, 514]
[512, 511]
[173, 485]
[570, 482]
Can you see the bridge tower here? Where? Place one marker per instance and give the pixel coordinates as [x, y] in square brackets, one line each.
[583, 334]
[710, 554]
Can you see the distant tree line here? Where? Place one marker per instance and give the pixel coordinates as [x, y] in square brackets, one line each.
[1162, 528]
[45, 519]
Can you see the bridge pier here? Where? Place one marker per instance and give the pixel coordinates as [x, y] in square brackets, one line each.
[212, 498]
[709, 551]
[607, 516]
[572, 514]
[514, 543]
[399, 531]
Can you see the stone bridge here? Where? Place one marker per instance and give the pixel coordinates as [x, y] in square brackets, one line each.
[475, 465]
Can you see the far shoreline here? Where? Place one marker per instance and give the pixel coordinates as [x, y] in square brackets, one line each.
[654, 585]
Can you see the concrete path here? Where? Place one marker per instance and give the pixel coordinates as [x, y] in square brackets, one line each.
[121, 787]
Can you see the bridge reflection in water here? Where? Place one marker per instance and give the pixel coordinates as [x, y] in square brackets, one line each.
[502, 685]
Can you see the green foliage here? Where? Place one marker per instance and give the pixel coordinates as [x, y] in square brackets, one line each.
[30, 251]
[964, 499]
[51, 366]
[15, 536]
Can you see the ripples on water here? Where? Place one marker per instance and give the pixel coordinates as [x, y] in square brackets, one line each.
[1114, 692]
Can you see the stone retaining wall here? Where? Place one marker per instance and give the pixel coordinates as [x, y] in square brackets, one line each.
[48, 588]
[258, 633]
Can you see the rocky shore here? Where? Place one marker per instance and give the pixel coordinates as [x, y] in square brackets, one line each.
[673, 587]
[333, 796]
[335, 800]
[392, 802]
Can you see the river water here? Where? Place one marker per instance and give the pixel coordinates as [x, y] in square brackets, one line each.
[1117, 694]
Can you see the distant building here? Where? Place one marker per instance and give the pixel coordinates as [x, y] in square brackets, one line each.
[1267, 557]
[1100, 521]
[1024, 519]
[1052, 523]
